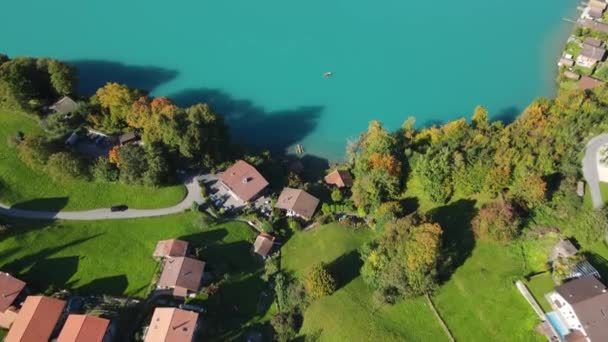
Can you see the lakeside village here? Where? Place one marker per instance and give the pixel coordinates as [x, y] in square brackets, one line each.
[583, 62]
[170, 313]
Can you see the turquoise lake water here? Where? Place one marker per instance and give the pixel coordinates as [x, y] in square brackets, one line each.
[261, 63]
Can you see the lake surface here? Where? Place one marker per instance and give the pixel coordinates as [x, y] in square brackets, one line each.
[261, 63]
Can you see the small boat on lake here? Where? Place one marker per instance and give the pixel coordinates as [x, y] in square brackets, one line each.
[328, 74]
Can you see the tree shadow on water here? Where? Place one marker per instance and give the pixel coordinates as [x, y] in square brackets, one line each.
[252, 124]
[94, 74]
[458, 239]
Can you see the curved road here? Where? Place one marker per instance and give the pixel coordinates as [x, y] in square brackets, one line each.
[194, 195]
[590, 168]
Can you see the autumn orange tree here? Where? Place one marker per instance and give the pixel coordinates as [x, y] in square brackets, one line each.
[377, 168]
[116, 101]
[497, 221]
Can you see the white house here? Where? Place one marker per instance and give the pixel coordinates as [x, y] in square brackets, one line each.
[582, 306]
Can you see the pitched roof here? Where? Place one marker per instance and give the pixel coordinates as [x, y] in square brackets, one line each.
[589, 299]
[182, 272]
[594, 25]
[263, 244]
[298, 201]
[171, 325]
[339, 178]
[36, 319]
[10, 287]
[243, 180]
[593, 52]
[126, 137]
[593, 41]
[587, 82]
[82, 328]
[64, 105]
[170, 248]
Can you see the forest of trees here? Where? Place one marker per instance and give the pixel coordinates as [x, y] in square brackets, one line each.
[173, 137]
[528, 168]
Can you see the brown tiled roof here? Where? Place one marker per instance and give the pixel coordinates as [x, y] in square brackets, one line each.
[594, 25]
[82, 328]
[10, 287]
[170, 248]
[593, 41]
[339, 178]
[243, 180]
[593, 52]
[298, 201]
[587, 82]
[263, 244]
[128, 137]
[36, 320]
[171, 325]
[182, 272]
[589, 299]
[64, 105]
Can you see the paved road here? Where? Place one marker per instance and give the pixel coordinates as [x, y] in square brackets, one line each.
[194, 195]
[590, 168]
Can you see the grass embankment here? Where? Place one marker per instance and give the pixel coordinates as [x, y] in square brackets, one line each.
[349, 314]
[115, 257]
[480, 301]
[603, 191]
[24, 187]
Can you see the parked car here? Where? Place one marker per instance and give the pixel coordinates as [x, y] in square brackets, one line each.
[116, 208]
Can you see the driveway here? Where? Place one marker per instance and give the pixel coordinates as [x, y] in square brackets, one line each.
[191, 183]
[590, 168]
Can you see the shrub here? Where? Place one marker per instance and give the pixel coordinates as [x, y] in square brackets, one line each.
[285, 325]
[65, 165]
[103, 170]
[4, 229]
[35, 150]
[497, 221]
[290, 293]
[319, 282]
[293, 224]
[336, 195]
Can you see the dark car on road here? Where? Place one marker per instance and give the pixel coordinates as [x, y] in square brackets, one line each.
[121, 207]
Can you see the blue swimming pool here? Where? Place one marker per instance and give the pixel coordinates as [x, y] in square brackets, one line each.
[557, 324]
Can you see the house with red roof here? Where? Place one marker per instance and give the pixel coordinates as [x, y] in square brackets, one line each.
[36, 320]
[263, 244]
[182, 275]
[10, 288]
[83, 328]
[340, 178]
[172, 325]
[243, 181]
[170, 248]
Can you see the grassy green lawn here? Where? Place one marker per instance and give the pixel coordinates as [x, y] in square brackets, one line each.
[349, 313]
[115, 257]
[32, 189]
[539, 286]
[573, 48]
[480, 301]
